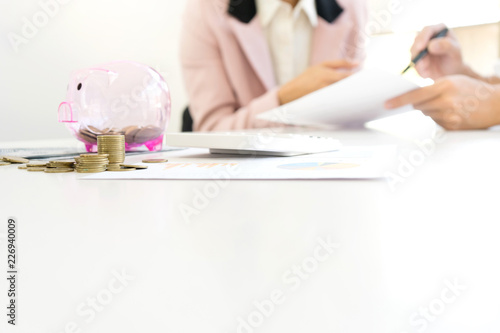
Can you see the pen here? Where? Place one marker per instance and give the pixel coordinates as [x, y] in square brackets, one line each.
[422, 54]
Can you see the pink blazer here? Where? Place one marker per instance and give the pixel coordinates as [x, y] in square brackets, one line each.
[227, 65]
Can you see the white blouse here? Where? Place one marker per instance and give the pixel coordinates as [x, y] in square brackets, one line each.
[289, 32]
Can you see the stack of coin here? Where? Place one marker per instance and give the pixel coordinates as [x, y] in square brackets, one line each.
[36, 167]
[60, 166]
[92, 163]
[14, 160]
[114, 146]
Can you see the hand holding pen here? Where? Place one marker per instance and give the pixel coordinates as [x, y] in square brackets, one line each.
[436, 53]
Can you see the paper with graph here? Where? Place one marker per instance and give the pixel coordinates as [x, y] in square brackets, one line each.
[356, 100]
[348, 163]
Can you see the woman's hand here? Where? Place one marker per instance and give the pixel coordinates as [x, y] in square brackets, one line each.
[456, 102]
[315, 78]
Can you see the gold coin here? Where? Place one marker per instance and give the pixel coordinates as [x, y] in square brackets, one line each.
[5, 163]
[93, 155]
[58, 170]
[97, 166]
[22, 167]
[17, 160]
[122, 169]
[155, 160]
[60, 165]
[36, 169]
[111, 155]
[36, 165]
[94, 158]
[68, 163]
[142, 167]
[90, 167]
[94, 162]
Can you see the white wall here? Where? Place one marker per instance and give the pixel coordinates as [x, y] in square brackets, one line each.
[84, 33]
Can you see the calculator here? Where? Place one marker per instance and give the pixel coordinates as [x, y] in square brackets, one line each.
[258, 143]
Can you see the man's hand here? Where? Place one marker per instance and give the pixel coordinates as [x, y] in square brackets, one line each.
[456, 102]
[445, 55]
[315, 78]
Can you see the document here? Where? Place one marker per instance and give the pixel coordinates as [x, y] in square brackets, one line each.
[351, 102]
[194, 164]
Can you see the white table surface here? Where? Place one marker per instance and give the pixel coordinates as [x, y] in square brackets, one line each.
[399, 249]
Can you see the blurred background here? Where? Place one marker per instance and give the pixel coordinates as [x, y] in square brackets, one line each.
[78, 34]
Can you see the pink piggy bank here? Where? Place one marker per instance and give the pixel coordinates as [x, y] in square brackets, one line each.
[120, 97]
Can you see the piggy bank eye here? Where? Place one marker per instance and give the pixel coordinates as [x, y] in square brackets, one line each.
[79, 86]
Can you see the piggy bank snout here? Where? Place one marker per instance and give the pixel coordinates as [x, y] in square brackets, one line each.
[68, 112]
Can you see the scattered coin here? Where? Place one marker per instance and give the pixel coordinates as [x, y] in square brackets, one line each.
[16, 160]
[36, 165]
[36, 169]
[123, 169]
[22, 167]
[5, 163]
[155, 160]
[61, 164]
[130, 133]
[138, 167]
[58, 170]
[147, 133]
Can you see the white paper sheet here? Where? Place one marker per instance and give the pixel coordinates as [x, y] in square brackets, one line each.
[356, 100]
[348, 163]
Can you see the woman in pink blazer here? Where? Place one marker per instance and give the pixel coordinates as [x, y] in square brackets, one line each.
[228, 66]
